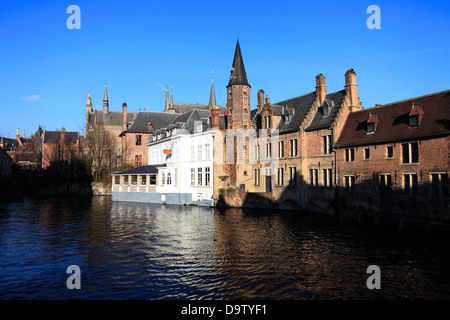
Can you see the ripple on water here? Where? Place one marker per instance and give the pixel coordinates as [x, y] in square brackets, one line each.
[141, 251]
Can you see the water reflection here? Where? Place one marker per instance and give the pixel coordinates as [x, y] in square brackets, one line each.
[142, 251]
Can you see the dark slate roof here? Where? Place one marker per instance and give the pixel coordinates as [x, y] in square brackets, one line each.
[51, 137]
[157, 119]
[238, 76]
[186, 107]
[9, 144]
[298, 108]
[187, 121]
[112, 118]
[191, 117]
[322, 121]
[393, 122]
[148, 169]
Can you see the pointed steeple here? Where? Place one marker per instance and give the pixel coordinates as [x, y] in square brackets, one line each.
[238, 76]
[212, 95]
[105, 101]
[89, 103]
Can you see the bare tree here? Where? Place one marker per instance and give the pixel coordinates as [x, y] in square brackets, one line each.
[101, 151]
[60, 150]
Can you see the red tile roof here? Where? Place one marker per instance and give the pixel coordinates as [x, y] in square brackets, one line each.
[394, 121]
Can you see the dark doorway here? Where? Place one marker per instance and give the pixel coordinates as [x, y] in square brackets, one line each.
[268, 184]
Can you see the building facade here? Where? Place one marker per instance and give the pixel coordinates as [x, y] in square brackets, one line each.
[181, 156]
[139, 132]
[320, 151]
[395, 158]
[60, 146]
[5, 163]
[108, 121]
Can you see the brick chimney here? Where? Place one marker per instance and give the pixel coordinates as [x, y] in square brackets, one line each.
[351, 90]
[267, 99]
[321, 87]
[124, 116]
[166, 108]
[63, 134]
[215, 118]
[260, 100]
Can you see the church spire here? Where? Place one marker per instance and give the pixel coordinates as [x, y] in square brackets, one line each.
[89, 103]
[89, 100]
[212, 95]
[105, 101]
[238, 75]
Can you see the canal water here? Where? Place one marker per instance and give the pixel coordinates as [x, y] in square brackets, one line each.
[142, 251]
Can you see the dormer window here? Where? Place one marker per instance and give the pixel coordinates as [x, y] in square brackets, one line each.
[150, 125]
[415, 116]
[372, 123]
[414, 121]
[326, 109]
[287, 116]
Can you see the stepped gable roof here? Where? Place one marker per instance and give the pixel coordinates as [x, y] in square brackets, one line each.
[158, 120]
[394, 123]
[51, 137]
[148, 169]
[322, 120]
[299, 106]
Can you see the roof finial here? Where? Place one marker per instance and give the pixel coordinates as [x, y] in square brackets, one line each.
[238, 34]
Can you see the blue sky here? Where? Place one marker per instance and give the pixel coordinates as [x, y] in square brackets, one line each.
[138, 47]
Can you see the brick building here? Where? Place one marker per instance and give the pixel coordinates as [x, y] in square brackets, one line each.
[139, 132]
[60, 146]
[395, 158]
[110, 121]
[291, 154]
[323, 152]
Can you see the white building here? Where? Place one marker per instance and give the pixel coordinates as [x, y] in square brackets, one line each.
[185, 149]
[180, 166]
